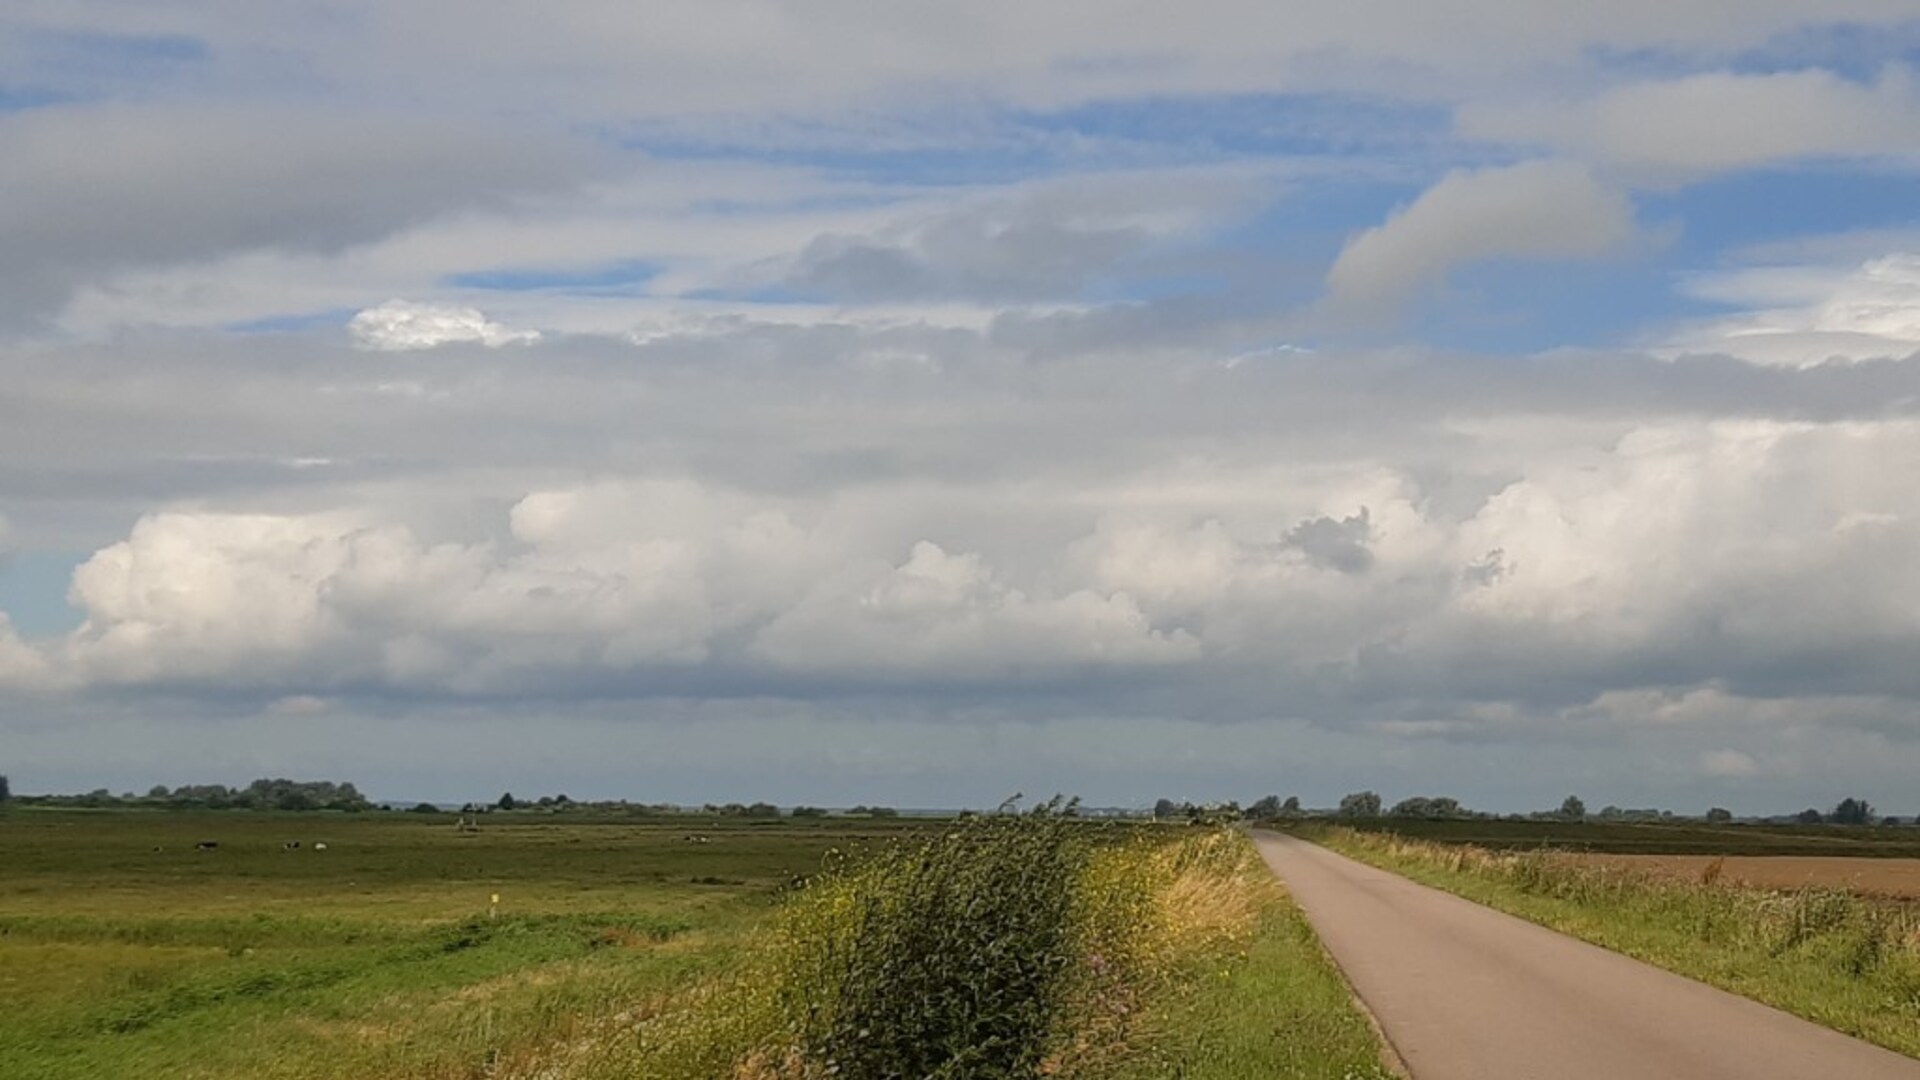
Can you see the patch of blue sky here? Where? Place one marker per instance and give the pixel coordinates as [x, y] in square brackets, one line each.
[1252, 125]
[1851, 50]
[22, 97]
[1719, 217]
[991, 146]
[1138, 288]
[1519, 308]
[33, 591]
[622, 277]
[78, 58]
[293, 323]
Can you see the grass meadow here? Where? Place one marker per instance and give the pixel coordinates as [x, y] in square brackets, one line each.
[1836, 957]
[678, 949]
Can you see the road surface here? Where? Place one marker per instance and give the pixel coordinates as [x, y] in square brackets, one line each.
[1464, 992]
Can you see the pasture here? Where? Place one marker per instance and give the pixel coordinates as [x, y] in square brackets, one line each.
[125, 950]
[672, 947]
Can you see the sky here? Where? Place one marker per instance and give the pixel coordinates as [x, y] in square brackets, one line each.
[919, 403]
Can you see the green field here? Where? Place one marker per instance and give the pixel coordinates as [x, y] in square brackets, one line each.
[125, 951]
[1655, 838]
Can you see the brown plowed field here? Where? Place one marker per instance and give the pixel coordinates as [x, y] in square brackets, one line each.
[1880, 877]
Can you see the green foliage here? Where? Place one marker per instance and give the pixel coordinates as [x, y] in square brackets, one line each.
[808, 812]
[945, 958]
[1421, 806]
[1719, 816]
[1572, 809]
[1853, 812]
[1360, 804]
[6, 790]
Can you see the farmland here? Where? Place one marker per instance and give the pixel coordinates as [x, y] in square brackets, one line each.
[1678, 837]
[1888, 877]
[1841, 958]
[666, 947]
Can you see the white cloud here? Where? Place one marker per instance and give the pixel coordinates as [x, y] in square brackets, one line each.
[1713, 122]
[1802, 315]
[1538, 210]
[940, 616]
[400, 325]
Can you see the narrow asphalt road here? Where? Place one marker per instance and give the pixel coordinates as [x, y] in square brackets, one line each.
[1464, 992]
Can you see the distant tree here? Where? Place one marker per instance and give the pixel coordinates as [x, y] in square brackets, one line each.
[1719, 815]
[158, 791]
[1810, 816]
[1360, 804]
[1265, 808]
[808, 812]
[1291, 808]
[1853, 812]
[882, 811]
[1165, 808]
[6, 791]
[423, 808]
[1573, 809]
[505, 802]
[762, 810]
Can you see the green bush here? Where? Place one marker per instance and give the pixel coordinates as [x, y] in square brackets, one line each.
[943, 959]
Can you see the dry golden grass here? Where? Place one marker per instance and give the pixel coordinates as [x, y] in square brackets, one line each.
[1874, 877]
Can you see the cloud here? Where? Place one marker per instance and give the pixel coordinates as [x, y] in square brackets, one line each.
[400, 326]
[1041, 241]
[1717, 121]
[939, 616]
[1729, 763]
[1539, 210]
[98, 189]
[1804, 315]
[1335, 545]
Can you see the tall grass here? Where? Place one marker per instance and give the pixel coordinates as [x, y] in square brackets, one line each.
[994, 948]
[1848, 961]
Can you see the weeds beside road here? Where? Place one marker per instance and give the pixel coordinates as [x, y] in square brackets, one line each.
[1007, 947]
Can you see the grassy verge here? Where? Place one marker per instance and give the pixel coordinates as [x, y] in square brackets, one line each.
[1845, 961]
[1013, 948]
[1280, 1011]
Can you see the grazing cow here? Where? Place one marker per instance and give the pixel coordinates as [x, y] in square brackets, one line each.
[207, 845]
[319, 847]
[291, 845]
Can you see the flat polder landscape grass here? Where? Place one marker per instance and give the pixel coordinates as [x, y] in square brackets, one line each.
[618, 947]
[125, 950]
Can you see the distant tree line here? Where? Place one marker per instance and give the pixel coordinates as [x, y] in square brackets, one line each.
[1369, 805]
[264, 794]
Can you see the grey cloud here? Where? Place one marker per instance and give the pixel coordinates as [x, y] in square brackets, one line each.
[97, 189]
[1335, 545]
[1049, 242]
